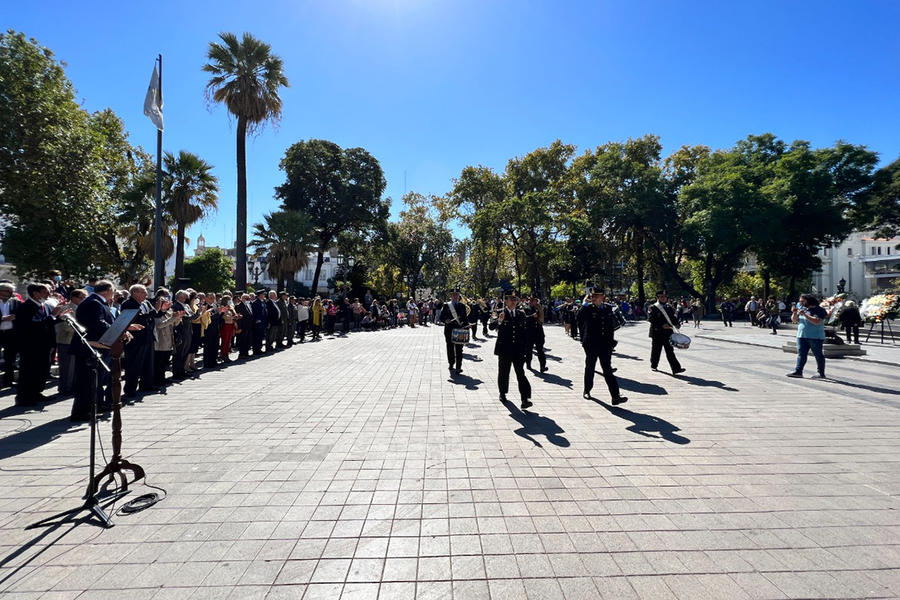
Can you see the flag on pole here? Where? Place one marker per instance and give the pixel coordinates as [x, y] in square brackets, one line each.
[153, 102]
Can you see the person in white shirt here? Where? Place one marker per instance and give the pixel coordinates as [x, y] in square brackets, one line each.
[8, 305]
[302, 319]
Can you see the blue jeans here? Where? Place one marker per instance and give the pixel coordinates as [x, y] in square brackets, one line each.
[804, 345]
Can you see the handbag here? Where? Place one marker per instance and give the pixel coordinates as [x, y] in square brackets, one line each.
[677, 339]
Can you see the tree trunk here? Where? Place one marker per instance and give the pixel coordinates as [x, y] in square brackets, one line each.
[767, 283]
[315, 282]
[709, 285]
[179, 253]
[639, 266]
[792, 294]
[240, 244]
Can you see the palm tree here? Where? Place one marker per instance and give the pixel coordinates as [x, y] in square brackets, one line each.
[246, 77]
[138, 234]
[191, 192]
[286, 239]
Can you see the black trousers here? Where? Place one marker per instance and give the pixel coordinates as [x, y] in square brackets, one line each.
[854, 329]
[160, 366]
[658, 344]
[273, 335]
[454, 351]
[301, 328]
[138, 356]
[727, 319]
[81, 405]
[10, 349]
[518, 363]
[259, 336]
[604, 355]
[34, 367]
[536, 346]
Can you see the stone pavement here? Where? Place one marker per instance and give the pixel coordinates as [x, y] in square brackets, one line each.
[887, 353]
[356, 468]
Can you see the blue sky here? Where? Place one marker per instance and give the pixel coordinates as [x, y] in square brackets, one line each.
[431, 86]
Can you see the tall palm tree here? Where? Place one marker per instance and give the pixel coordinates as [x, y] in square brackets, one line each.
[191, 192]
[246, 77]
[286, 239]
[137, 232]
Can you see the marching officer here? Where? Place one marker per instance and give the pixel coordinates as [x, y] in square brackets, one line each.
[534, 321]
[511, 347]
[597, 323]
[662, 325]
[454, 315]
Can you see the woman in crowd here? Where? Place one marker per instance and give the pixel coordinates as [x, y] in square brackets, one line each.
[226, 332]
[318, 318]
[164, 336]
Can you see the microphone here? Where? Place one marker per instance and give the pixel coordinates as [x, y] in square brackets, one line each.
[71, 320]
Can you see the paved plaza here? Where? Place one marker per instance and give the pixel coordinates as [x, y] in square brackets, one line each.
[358, 468]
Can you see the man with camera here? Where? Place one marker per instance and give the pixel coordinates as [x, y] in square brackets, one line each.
[810, 318]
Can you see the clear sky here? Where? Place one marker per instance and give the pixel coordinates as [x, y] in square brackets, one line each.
[430, 86]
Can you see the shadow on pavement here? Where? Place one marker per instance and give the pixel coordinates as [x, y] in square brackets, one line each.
[472, 357]
[23, 441]
[554, 379]
[534, 424]
[641, 388]
[646, 425]
[462, 379]
[705, 382]
[870, 388]
[627, 356]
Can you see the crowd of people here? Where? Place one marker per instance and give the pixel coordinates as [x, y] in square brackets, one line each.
[176, 335]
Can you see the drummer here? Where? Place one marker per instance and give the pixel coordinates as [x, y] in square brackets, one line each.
[662, 325]
[454, 315]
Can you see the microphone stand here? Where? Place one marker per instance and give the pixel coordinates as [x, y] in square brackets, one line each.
[91, 503]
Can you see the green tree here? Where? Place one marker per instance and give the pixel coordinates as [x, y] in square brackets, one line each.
[191, 191]
[419, 242]
[621, 187]
[212, 271]
[338, 189]
[246, 78]
[285, 239]
[883, 210]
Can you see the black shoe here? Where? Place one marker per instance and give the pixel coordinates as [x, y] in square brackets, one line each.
[679, 370]
[526, 403]
[458, 370]
[654, 369]
[587, 396]
[544, 369]
[619, 400]
[80, 418]
[149, 388]
[129, 395]
[614, 369]
[502, 397]
[795, 375]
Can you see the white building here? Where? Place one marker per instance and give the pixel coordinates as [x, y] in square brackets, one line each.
[257, 272]
[865, 263]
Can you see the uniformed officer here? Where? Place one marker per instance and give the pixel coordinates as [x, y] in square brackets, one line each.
[454, 315]
[534, 321]
[662, 325]
[511, 348]
[597, 323]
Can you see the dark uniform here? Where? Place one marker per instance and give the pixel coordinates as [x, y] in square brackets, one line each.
[598, 323]
[260, 322]
[474, 317]
[534, 325]
[659, 336]
[184, 333]
[138, 357]
[727, 309]
[454, 351]
[245, 326]
[510, 349]
[94, 315]
[35, 334]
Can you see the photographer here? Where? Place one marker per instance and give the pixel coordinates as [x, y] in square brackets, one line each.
[810, 334]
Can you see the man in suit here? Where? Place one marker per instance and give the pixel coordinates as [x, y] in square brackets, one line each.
[244, 324]
[94, 315]
[454, 315]
[598, 323]
[273, 333]
[260, 314]
[138, 357]
[183, 334]
[511, 347]
[662, 325]
[9, 304]
[284, 336]
[35, 336]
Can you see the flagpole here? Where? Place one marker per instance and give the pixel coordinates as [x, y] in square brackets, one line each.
[159, 265]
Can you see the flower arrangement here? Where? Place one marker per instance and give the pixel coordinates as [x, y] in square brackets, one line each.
[880, 308]
[833, 306]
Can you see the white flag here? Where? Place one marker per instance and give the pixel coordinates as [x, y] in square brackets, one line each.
[153, 102]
